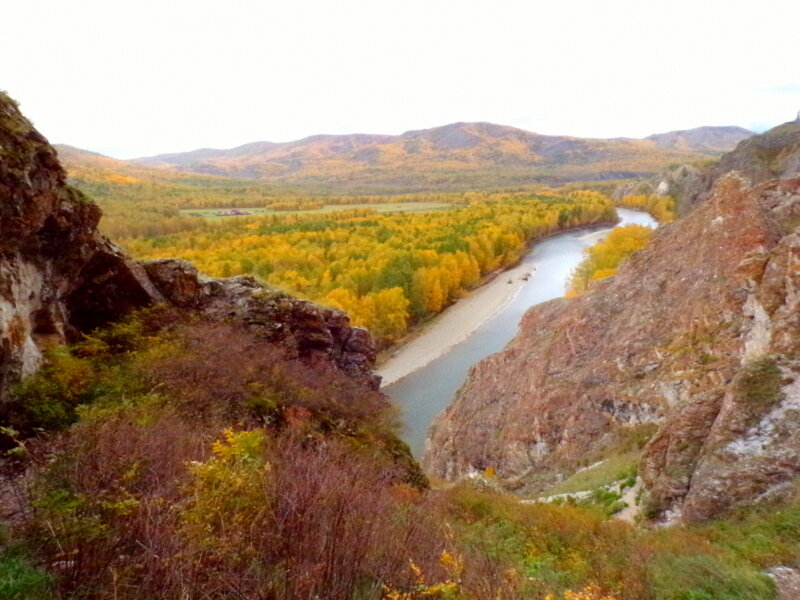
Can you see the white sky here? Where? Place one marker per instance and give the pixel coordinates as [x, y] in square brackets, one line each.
[132, 78]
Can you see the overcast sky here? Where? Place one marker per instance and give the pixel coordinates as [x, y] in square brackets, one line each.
[132, 78]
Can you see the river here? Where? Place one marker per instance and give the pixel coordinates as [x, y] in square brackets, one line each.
[427, 391]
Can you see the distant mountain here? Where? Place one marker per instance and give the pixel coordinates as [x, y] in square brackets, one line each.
[702, 139]
[455, 156]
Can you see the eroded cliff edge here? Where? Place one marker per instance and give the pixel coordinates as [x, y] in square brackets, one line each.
[697, 338]
[59, 277]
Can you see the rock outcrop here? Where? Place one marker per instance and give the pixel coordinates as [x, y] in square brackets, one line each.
[305, 330]
[57, 274]
[697, 336]
[59, 277]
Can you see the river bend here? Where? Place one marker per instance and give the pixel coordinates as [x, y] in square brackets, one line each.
[423, 394]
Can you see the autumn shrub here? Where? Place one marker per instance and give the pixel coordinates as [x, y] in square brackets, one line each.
[144, 504]
[48, 399]
[323, 520]
[138, 498]
[530, 551]
[96, 368]
[103, 495]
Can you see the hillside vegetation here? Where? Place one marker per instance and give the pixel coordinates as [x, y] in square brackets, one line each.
[186, 470]
[229, 442]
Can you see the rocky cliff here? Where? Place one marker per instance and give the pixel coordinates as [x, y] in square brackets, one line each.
[774, 154]
[59, 277]
[696, 337]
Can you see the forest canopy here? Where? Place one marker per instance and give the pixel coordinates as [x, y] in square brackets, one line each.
[385, 270]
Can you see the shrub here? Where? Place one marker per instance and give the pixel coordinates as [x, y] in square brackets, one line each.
[48, 399]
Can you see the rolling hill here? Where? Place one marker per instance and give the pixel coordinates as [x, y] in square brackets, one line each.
[702, 139]
[455, 156]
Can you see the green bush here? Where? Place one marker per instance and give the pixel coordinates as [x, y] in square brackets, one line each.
[48, 399]
[20, 581]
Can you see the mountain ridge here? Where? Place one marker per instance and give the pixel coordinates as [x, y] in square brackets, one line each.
[698, 136]
[461, 154]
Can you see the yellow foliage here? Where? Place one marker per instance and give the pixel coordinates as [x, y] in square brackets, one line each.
[449, 589]
[662, 208]
[384, 270]
[604, 257]
[590, 592]
[227, 492]
[602, 274]
[123, 179]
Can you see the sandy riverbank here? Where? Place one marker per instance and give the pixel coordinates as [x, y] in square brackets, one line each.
[455, 324]
[458, 321]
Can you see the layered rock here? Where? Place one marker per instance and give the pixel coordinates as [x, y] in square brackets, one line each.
[675, 341]
[59, 277]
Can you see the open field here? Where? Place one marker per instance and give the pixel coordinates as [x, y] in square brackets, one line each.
[387, 207]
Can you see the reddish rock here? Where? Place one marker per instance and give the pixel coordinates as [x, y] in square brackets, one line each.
[666, 341]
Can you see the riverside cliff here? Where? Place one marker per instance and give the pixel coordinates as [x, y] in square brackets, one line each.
[696, 338]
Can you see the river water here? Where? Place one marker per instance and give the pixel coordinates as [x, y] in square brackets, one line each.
[427, 391]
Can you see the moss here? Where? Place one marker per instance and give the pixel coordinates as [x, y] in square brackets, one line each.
[758, 387]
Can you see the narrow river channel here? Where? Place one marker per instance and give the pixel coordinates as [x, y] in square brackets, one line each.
[427, 391]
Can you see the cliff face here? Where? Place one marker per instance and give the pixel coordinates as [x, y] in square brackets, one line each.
[696, 336]
[59, 277]
[57, 274]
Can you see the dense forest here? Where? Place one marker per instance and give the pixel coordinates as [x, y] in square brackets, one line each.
[387, 271]
[384, 270]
